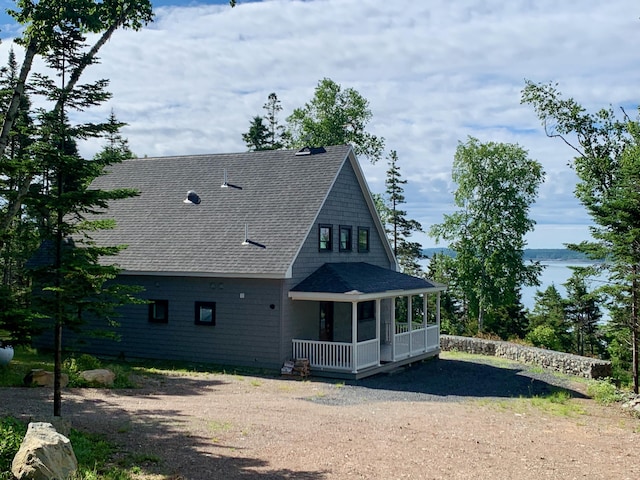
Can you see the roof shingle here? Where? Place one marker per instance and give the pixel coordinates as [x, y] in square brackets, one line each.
[276, 194]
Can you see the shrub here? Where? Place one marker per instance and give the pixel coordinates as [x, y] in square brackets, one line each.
[12, 432]
[604, 392]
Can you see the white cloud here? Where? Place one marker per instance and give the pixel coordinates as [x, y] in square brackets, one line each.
[433, 72]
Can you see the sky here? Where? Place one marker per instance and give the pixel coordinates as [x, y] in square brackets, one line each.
[434, 72]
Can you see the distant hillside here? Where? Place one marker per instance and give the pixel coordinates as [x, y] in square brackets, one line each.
[539, 254]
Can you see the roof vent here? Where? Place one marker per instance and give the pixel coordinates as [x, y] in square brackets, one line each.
[192, 197]
[310, 151]
[250, 242]
[226, 184]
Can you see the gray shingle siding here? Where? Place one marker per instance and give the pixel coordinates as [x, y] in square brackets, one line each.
[345, 205]
[247, 330]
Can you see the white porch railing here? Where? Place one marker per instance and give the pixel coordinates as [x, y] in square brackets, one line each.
[337, 355]
[408, 344]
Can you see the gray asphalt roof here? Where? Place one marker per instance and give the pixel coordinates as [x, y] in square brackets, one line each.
[359, 277]
[276, 194]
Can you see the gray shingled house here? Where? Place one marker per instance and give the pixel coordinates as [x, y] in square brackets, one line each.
[254, 258]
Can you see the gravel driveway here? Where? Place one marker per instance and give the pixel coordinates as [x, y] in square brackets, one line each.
[452, 418]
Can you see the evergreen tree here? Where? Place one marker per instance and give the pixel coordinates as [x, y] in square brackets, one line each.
[257, 137]
[275, 131]
[607, 162]
[71, 281]
[21, 236]
[548, 324]
[583, 312]
[399, 228]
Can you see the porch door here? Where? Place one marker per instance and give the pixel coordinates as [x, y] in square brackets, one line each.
[326, 322]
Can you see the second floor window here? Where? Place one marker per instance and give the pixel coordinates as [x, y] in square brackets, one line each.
[363, 239]
[345, 238]
[325, 234]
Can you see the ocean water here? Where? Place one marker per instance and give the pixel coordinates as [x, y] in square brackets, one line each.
[555, 273]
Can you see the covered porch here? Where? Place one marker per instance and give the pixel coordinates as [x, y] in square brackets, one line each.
[394, 319]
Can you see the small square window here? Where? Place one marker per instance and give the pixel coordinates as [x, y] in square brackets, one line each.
[159, 311]
[205, 313]
[325, 235]
[363, 239]
[345, 238]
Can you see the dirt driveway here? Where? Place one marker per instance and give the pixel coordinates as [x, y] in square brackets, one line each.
[450, 418]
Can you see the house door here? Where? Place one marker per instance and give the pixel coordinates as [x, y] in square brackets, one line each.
[326, 322]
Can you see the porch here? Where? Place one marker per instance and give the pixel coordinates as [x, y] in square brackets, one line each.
[375, 320]
[368, 357]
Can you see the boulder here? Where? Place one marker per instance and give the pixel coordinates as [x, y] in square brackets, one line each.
[43, 378]
[44, 454]
[101, 376]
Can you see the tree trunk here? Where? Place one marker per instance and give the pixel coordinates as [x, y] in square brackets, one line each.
[634, 329]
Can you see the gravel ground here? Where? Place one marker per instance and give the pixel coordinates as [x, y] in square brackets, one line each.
[452, 418]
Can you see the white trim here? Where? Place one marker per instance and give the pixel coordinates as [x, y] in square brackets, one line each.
[268, 276]
[360, 297]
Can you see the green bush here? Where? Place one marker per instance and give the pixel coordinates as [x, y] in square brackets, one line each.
[544, 336]
[75, 365]
[604, 392]
[12, 432]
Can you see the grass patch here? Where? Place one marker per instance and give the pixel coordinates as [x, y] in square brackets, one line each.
[216, 426]
[558, 403]
[92, 452]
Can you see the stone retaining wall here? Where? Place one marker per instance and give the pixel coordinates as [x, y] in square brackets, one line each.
[562, 362]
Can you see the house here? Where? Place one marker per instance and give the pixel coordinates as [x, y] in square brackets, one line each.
[254, 258]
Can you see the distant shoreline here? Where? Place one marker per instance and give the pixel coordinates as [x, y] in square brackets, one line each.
[537, 254]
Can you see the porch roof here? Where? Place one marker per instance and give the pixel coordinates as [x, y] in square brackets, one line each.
[358, 281]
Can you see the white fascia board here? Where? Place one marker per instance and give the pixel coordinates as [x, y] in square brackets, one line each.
[360, 297]
[269, 276]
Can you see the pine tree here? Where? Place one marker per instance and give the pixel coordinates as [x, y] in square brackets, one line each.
[276, 131]
[399, 227]
[257, 137]
[607, 162]
[548, 323]
[72, 283]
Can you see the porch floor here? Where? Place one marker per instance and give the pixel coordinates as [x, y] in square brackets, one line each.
[370, 371]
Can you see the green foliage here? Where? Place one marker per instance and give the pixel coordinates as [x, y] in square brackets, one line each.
[607, 161]
[544, 336]
[12, 432]
[497, 183]
[269, 136]
[257, 136]
[75, 365]
[397, 226]
[334, 117]
[604, 392]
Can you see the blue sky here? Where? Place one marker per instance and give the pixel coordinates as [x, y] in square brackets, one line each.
[434, 73]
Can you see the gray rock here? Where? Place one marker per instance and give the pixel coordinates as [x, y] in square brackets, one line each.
[44, 454]
[43, 378]
[101, 376]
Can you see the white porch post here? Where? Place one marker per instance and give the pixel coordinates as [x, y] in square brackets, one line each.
[393, 328]
[438, 313]
[378, 320]
[425, 324]
[409, 313]
[354, 337]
